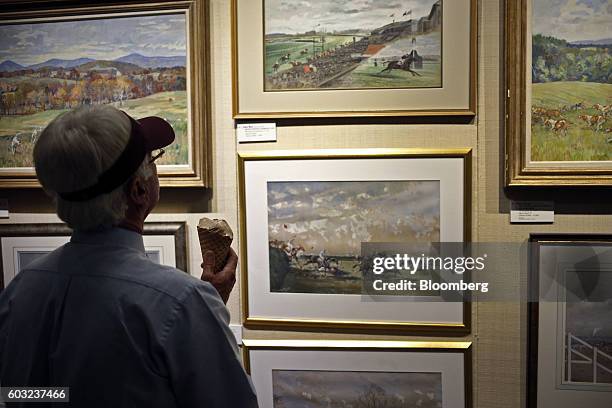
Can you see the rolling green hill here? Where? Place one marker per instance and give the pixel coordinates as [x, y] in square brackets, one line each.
[558, 94]
[172, 106]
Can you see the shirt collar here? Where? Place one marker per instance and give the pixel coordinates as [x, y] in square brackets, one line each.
[110, 236]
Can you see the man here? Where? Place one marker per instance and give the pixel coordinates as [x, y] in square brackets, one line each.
[97, 315]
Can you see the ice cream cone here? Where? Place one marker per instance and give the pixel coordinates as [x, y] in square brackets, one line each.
[215, 235]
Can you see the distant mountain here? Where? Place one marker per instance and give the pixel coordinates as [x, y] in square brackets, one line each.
[123, 67]
[153, 62]
[603, 41]
[126, 63]
[61, 63]
[10, 66]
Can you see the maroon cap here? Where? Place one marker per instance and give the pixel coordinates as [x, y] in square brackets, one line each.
[147, 134]
[156, 131]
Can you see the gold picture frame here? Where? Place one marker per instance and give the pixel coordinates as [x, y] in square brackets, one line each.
[189, 164]
[452, 360]
[257, 296]
[454, 96]
[520, 169]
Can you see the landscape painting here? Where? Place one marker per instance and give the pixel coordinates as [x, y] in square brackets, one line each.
[588, 329]
[571, 76]
[356, 389]
[137, 63]
[346, 44]
[315, 229]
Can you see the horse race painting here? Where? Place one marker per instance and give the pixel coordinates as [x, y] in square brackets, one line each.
[571, 81]
[315, 229]
[357, 389]
[136, 62]
[344, 44]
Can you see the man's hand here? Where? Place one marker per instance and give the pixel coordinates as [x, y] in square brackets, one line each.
[225, 279]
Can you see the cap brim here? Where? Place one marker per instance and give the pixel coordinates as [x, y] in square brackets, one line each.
[157, 132]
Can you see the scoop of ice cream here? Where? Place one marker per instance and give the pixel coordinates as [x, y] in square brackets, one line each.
[216, 226]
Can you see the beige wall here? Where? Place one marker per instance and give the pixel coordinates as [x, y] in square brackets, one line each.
[498, 329]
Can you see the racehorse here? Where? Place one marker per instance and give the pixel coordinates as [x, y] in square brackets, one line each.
[404, 65]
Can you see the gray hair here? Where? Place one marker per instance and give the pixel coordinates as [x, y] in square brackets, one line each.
[72, 152]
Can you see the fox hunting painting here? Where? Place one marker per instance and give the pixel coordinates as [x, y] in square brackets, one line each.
[357, 389]
[571, 91]
[316, 228]
[345, 44]
[335, 58]
[559, 58]
[307, 213]
[137, 61]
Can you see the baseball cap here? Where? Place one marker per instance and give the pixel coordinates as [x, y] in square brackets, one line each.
[147, 134]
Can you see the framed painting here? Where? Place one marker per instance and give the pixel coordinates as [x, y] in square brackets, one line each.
[332, 373]
[570, 329]
[558, 77]
[20, 244]
[306, 214]
[147, 59]
[374, 58]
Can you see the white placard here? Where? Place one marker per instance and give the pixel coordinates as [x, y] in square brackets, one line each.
[532, 211]
[256, 132]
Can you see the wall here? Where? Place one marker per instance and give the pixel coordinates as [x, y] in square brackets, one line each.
[498, 328]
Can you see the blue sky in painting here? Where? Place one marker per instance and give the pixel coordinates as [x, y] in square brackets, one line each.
[573, 20]
[108, 38]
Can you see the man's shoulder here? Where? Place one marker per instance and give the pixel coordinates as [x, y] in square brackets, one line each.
[141, 271]
[46, 262]
[124, 266]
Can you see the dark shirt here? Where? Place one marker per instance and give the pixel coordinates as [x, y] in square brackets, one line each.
[98, 316]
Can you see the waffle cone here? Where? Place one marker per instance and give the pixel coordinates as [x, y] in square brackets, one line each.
[217, 236]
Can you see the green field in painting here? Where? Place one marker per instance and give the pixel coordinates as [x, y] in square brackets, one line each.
[298, 277]
[581, 143]
[293, 44]
[169, 105]
[367, 75]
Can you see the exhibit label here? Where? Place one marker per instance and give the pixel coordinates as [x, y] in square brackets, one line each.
[532, 212]
[256, 132]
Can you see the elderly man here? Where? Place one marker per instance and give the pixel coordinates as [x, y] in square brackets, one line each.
[97, 315]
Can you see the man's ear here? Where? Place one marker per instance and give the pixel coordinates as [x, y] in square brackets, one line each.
[137, 191]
